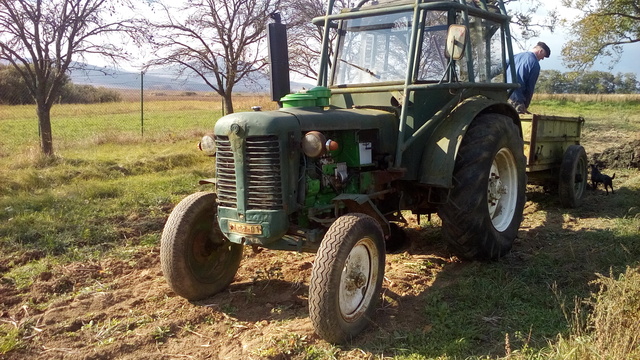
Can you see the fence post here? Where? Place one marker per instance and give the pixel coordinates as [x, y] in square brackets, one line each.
[142, 103]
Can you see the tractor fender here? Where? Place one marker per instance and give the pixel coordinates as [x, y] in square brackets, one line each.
[438, 159]
[361, 203]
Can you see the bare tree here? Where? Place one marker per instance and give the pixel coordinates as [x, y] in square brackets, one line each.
[43, 39]
[305, 38]
[529, 18]
[220, 41]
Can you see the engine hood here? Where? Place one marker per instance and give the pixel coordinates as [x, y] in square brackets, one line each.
[301, 120]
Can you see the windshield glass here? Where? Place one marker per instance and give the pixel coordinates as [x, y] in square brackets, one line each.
[433, 61]
[374, 49]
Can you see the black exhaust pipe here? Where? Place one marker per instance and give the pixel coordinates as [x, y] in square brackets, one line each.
[278, 58]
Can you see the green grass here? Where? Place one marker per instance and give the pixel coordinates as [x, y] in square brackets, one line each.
[104, 193]
[10, 338]
[88, 200]
[598, 115]
[81, 125]
[528, 300]
[76, 125]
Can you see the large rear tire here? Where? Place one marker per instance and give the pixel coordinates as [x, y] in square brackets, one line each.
[346, 278]
[484, 210]
[197, 260]
[572, 180]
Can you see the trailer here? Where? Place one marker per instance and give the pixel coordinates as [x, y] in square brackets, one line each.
[555, 158]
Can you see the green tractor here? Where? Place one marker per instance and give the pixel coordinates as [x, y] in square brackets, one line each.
[410, 113]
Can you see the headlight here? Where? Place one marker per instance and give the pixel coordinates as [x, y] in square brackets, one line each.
[313, 144]
[208, 145]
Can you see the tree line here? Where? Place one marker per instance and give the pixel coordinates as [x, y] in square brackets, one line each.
[586, 82]
[14, 90]
[222, 41]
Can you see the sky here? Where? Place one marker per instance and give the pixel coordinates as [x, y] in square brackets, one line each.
[555, 41]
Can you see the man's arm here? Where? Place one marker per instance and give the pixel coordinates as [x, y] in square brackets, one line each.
[530, 83]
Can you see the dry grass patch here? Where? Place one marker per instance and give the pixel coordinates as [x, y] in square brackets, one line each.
[607, 326]
[589, 97]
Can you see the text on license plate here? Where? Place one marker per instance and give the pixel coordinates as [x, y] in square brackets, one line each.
[249, 229]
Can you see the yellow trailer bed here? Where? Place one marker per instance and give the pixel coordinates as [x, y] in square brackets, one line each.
[555, 156]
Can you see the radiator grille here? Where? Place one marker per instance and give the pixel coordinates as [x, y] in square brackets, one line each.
[226, 173]
[263, 184]
[264, 188]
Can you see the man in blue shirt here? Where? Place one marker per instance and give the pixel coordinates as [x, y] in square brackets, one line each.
[527, 71]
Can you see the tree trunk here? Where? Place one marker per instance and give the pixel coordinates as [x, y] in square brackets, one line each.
[44, 123]
[228, 103]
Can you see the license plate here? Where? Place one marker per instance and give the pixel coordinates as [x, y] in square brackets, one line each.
[248, 229]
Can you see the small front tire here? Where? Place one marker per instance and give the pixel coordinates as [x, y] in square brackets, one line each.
[197, 260]
[346, 278]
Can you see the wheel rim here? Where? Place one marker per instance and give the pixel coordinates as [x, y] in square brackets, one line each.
[358, 279]
[580, 179]
[502, 190]
[207, 256]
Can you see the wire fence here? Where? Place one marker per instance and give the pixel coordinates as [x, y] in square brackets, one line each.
[158, 108]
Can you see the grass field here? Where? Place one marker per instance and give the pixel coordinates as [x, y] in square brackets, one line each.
[78, 125]
[79, 235]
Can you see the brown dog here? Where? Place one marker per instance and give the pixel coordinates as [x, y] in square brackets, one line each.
[599, 178]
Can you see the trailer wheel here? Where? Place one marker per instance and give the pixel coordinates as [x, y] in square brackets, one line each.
[572, 181]
[346, 278]
[197, 260]
[484, 210]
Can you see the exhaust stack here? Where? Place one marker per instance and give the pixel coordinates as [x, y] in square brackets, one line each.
[278, 58]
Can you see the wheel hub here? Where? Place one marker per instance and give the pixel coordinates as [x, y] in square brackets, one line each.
[502, 189]
[495, 190]
[207, 251]
[355, 281]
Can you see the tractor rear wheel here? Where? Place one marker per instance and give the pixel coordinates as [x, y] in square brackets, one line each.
[484, 210]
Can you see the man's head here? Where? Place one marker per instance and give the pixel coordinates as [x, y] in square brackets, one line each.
[541, 50]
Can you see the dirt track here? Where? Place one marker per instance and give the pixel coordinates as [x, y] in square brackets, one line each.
[122, 308]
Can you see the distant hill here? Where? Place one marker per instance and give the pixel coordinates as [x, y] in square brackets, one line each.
[163, 79]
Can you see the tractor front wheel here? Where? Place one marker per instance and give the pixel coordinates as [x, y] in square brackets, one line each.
[346, 278]
[197, 260]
